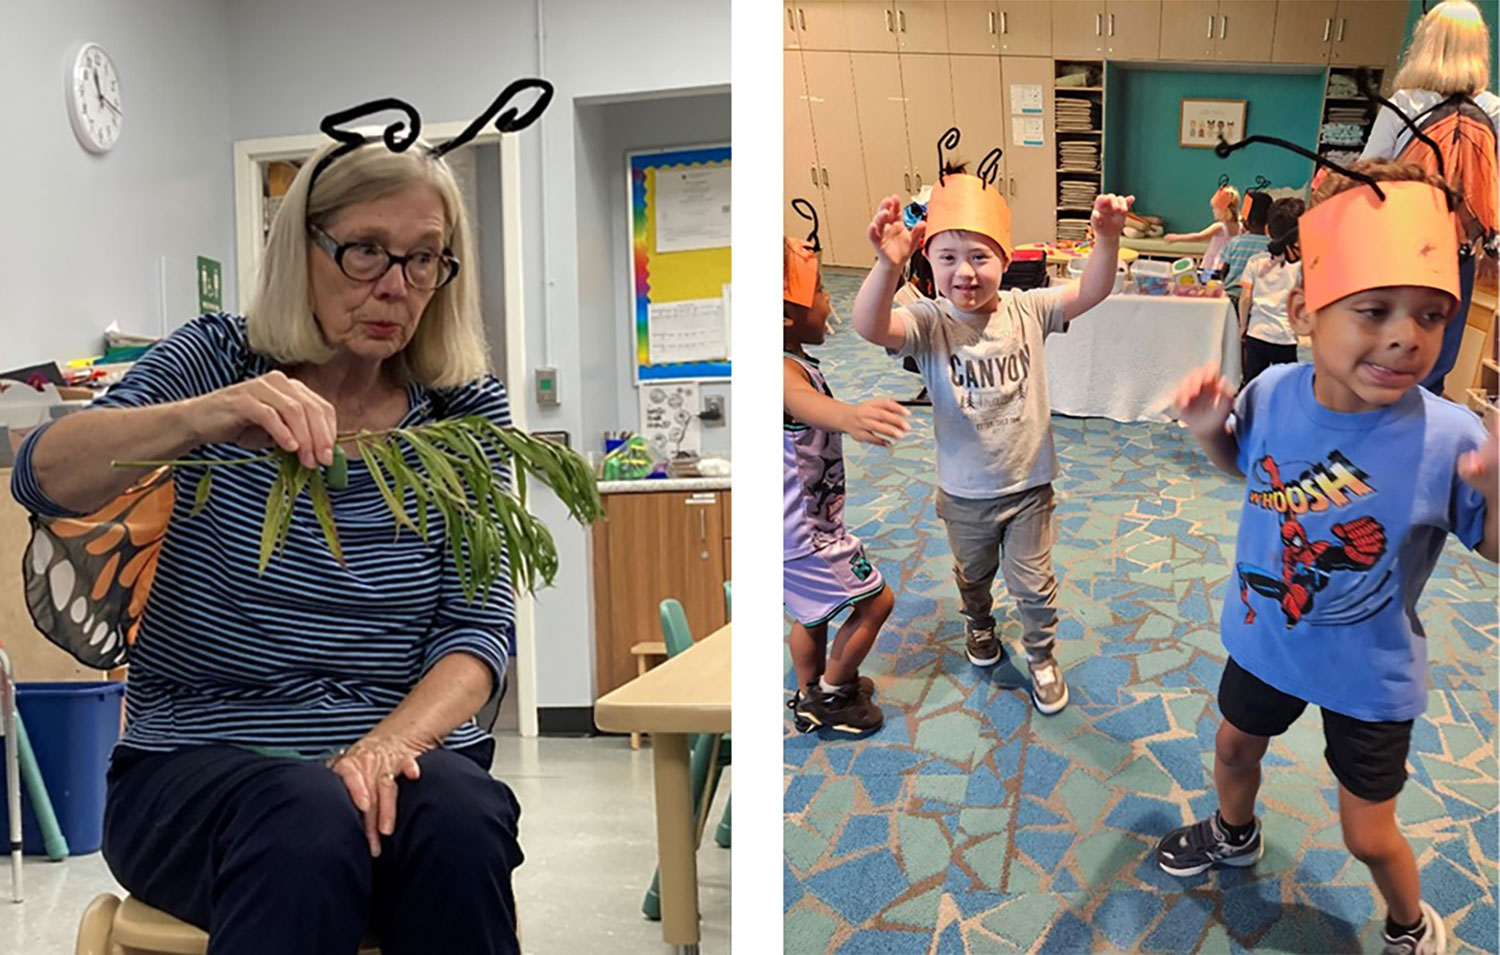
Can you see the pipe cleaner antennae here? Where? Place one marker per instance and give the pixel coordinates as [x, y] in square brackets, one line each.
[950, 140]
[1224, 149]
[1261, 183]
[989, 167]
[350, 140]
[807, 211]
[512, 120]
[1223, 180]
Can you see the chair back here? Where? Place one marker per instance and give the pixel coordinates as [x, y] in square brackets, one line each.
[674, 627]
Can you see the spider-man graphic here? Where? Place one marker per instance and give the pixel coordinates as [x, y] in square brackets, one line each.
[1307, 565]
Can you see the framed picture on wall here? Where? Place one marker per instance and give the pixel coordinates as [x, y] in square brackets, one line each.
[1203, 122]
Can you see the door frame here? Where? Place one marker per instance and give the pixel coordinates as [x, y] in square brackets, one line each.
[249, 213]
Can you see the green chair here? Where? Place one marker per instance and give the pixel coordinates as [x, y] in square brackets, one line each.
[710, 753]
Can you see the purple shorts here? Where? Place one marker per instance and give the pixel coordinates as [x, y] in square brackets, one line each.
[816, 586]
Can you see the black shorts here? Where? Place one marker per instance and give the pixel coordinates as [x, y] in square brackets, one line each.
[1369, 759]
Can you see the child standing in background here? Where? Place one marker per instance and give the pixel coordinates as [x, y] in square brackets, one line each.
[1225, 205]
[980, 355]
[1356, 477]
[824, 569]
[1247, 243]
[1266, 284]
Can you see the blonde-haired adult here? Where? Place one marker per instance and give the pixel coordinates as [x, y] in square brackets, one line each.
[300, 762]
[1449, 53]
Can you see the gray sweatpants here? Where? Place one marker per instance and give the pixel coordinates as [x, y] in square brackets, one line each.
[1013, 533]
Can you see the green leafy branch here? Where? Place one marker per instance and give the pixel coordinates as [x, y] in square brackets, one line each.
[454, 479]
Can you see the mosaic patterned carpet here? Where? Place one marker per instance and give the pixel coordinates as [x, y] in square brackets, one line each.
[972, 824]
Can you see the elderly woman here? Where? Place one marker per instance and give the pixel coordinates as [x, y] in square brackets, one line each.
[1449, 53]
[300, 764]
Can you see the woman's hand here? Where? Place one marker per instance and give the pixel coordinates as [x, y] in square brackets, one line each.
[1204, 400]
[890, 236]
[272, 410]
[369, 769]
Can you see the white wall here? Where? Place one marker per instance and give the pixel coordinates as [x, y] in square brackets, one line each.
[85, 235]
[291, 62]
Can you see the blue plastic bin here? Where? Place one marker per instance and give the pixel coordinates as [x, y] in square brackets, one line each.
[72, 728]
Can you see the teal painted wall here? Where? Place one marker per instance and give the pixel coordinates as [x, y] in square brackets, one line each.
[1489, 9]
[1142, 155]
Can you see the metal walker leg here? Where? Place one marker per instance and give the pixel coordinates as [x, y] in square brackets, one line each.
[12, 770]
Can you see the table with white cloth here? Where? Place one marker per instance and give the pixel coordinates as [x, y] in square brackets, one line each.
[1123, 358]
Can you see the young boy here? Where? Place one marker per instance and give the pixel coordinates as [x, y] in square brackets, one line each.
[1247, 243]
[824, 569]
[1266, 285]
[980, 354]
[1355, 476]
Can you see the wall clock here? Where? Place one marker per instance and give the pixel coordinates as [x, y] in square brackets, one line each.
[94, 99]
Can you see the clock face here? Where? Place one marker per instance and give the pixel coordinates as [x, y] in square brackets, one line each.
[94, 99]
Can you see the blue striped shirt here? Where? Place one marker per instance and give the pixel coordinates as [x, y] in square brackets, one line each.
[311, 655]
[1238, 252]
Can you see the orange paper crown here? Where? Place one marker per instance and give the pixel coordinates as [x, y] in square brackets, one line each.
[799, 281]
[1355, 241]
[1224, 198]
[962, 201]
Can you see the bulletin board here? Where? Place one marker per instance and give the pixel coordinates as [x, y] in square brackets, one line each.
[679, 242]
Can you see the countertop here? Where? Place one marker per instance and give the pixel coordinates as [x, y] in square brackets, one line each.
[667, 484]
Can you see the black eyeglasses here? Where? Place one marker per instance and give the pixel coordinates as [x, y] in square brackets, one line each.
[365, 261]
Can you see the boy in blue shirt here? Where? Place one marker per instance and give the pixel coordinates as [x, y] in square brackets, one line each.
[1355, 477]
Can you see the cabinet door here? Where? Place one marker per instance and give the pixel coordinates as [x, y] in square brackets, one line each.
[928, 89]
[1188, 29]
[799, 155]
[1304, 31]
[1025, 28]
[922, 26]
[871, 25]
[835, 123]
[1247, 29]
[1367, 33]
[1077, 29]
[978, 112]
[882, 120]
[973, 26]
[1031, 171]
[1132, 29]
[821, 25]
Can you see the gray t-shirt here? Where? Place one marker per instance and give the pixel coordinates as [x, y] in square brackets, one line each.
[987, 379]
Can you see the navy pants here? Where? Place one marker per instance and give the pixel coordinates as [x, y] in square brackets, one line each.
[1453, 332]
[268, 854]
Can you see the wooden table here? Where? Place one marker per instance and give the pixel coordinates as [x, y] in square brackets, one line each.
[689, 693]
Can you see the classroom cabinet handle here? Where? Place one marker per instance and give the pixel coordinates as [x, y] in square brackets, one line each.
[1327, 26]
[703, 527]
[1111, 24]
[814, 171]
[1012, 187]
[790, 23]
[992, 22]
[1223, 26]
[1004, 22]
[1210, 27]
[901, 18]
[908, 181]
[1098, 24]
[888, 27]
[919, 182]
[825, 177]
[1343, 22]
[802, 18]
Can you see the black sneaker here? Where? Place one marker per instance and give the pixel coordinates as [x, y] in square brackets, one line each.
[1429, 938]
[798, 703]
[1193, 849]
[850, 710]
[982, 647]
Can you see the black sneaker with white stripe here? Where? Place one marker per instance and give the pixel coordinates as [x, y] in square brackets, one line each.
[1195, 848]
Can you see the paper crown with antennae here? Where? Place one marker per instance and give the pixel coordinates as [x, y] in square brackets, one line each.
[400, 135]
[1224, 195]
[1386, 234]
[969, 202]
[799, 282]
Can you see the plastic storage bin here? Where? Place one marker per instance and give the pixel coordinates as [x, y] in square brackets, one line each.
[72, 728]
[1152, 278]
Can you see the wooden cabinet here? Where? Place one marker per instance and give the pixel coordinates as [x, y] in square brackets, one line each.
[927, 88]
[1304, 31]
[979, 110]
[816, 25]
[922, 26]
[1367, 32]
[799, 156]
[1078, 29]
[880, 102]
[973, 26]
[1025, 28]
[1235, 31]
[654, 545]
[871, 26]
[1132, 29]
[841, 170]
[1031, 171]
